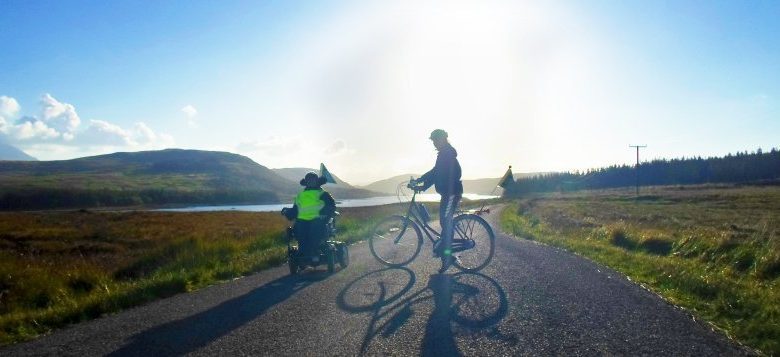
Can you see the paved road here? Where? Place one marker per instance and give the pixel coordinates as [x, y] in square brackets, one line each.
[531, 300]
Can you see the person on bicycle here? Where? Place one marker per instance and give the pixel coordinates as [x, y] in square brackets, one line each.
[311, 210]
[445, 175]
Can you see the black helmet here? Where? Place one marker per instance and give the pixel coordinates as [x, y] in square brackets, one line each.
[438, 133]
[312, 177]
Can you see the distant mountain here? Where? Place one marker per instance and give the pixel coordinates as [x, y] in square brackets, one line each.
[187, 170]
[340, 189]
[8, 152]
[389, 185]
[295, 174]
[480, 186]
[172, 176]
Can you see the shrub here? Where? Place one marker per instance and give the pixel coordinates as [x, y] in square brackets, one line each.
[619, 237]
[656, 245]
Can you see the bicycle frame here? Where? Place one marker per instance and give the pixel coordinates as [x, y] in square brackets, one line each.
[433, 235]
[429, 231]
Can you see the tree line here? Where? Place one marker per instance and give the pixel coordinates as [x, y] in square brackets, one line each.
[58, 198]
[742, 167]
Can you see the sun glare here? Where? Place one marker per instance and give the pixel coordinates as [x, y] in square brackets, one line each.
[499, 76]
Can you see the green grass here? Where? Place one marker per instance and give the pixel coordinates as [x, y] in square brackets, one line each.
[712, 250]
[58, 268]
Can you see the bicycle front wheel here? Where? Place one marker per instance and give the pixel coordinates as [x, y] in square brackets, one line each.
[476, 241]
[395, 241]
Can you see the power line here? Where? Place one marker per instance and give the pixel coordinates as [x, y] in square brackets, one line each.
[636, 170]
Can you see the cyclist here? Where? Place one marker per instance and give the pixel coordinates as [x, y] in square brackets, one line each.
[311, 210]
[445, 175]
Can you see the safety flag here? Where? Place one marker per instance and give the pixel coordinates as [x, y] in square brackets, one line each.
[508, 179]
[326, 174]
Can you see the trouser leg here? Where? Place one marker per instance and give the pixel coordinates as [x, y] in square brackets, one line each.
[317, 235]
[303, 233]
[447, 208]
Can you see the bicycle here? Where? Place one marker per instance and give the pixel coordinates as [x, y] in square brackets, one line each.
[397, 240]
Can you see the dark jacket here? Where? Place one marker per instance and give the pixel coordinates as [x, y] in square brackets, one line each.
[446, 174]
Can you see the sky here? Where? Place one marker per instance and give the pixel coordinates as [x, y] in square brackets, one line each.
[359, 85]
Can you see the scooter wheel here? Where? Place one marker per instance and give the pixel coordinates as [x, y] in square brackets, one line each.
[343, 255]
[331, 261]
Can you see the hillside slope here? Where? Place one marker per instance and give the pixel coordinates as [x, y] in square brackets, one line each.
[389, 185]
[340, 190]
[9, 152]
[149, 177]
[482, 186]
[295, 174]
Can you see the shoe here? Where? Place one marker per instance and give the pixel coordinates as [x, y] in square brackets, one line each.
[446, 263]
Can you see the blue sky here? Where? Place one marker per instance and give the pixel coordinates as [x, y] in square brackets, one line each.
[548, 85]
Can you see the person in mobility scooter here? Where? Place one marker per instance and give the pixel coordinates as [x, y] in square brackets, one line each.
[314, 213]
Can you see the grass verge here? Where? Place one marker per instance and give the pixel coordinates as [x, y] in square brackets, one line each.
[714, 251]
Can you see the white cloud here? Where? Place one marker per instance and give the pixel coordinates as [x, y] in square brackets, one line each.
[33, 129]
[57, 121]
[190, 113]
[9, 107]
[103, 133]
[58, 129]
[144, 135]
[60, 116]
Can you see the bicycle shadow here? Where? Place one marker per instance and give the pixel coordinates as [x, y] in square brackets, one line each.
[193, 332]
[470, 301]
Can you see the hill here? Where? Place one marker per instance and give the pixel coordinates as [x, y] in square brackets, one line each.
[340, 190]
[482, 186]
[295, 174]
[389, 185]
[9, 152]
[172, 176]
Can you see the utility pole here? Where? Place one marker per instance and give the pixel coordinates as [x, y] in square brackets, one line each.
[636, 171]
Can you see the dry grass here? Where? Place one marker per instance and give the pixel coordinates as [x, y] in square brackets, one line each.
[58, 268]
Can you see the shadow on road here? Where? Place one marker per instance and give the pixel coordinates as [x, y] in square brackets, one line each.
[471, 301]
[191, 333]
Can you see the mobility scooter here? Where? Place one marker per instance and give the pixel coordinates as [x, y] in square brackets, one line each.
[330, 250]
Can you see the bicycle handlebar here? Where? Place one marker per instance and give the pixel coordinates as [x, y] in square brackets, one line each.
[413, 185]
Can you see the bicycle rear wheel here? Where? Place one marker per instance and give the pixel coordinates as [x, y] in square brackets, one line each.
[395, 241]
[476, 239]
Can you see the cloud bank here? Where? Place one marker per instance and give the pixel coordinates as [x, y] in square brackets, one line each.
[57, 128]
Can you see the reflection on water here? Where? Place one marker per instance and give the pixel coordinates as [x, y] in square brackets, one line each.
[357, 202]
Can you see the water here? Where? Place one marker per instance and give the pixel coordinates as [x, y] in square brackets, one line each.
[357, 202]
